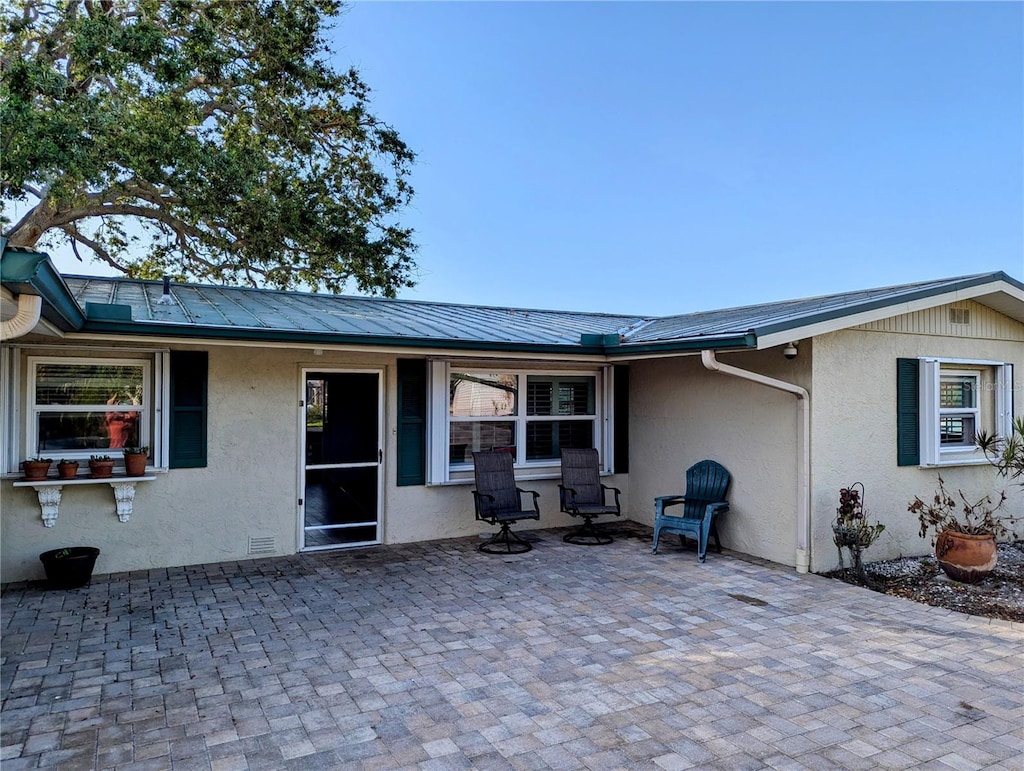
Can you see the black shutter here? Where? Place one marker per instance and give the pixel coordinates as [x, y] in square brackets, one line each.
[412, 422]
[620, 419]
[188, 409]
[908, 413]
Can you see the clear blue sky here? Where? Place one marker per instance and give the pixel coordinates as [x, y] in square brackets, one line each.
[662, 158]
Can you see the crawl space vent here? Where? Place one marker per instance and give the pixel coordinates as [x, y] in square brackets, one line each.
[262, 545]
[959, 315]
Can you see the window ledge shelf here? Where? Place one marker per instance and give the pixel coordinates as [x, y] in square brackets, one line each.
[50, 492]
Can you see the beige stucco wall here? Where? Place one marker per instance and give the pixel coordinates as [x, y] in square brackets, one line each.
[854, 432]
[681, 413]
[249, 488]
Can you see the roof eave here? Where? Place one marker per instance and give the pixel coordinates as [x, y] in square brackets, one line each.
[30, 272]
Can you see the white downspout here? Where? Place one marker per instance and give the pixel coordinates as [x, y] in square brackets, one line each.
[25, 320]
[803, 500]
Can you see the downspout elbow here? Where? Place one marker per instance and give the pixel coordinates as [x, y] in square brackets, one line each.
[30, 307]
[803, 515]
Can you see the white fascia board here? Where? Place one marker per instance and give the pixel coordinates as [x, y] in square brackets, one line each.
[896, 309]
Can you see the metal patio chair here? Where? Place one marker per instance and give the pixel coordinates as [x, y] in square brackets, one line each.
[498, 501]
[582, 495]
[707, 483]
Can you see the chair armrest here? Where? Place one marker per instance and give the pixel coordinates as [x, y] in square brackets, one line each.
[616, 491]
[536, 496]
[477, 498]
[566, 497]
[662, 502]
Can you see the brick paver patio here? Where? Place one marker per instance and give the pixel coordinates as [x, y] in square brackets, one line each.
[435, 656]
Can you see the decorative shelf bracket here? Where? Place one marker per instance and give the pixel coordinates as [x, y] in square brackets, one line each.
[124, 499]
[49, 503]
[50, 493]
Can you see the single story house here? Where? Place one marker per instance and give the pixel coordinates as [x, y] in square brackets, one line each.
[282, 422]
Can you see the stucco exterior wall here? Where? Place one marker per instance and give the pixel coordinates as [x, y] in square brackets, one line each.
[681, 413]
[249, 488]
[854, 433]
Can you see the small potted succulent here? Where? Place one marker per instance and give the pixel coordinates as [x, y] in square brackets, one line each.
[135, 461]
[965, 532]
[67, 469]
[101, 466]
[36, 469]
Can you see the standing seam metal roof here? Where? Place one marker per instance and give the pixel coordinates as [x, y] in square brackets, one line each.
[264, 312]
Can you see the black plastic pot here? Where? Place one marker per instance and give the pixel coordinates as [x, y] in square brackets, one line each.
[69, 568]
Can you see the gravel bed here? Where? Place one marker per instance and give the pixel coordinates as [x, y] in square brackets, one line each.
[1001, 595]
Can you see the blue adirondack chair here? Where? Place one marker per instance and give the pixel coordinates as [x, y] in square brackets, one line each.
[706, 485]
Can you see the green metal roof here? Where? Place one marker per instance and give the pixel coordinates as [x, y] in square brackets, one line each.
[131, 306]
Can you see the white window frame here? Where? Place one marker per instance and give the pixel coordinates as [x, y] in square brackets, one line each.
[440, 470]
[19, 419]
[962, 412]
[933, 453]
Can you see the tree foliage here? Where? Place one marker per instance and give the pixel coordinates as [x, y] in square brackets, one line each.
[218, 128]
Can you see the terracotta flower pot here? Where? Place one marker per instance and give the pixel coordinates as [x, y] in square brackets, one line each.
[135, 464]
[101, 469]
[966, 558]
[67, 470]
[35, 470]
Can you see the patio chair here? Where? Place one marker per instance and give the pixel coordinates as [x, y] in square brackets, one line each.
[497, 500]
[706, 485]
[582, 495]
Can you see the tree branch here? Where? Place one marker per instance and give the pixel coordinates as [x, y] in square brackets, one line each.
[75, 234]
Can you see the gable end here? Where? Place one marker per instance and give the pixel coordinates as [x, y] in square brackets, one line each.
[965, 318]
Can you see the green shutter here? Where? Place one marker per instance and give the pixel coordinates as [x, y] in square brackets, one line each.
[620, 419]
[908, 397]
[188, 409]
[412, 422]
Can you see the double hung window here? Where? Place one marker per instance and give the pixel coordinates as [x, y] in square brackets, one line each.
[959, 412]
[959, 399]
[79, 407]
[82, 404]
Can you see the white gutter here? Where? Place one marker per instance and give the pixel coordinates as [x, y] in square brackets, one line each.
[803, 500]
[25, 320]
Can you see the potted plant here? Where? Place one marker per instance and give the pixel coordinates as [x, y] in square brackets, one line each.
[101, 466]
[851, 529]
[67, 469]
[70, 567]
[965, 533]
[36, 469]
[135, 461]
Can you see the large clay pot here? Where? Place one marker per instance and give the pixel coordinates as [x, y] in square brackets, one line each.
[966, 558]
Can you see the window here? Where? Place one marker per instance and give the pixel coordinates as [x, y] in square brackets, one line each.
[87, 402]
[942, 405]
[531, 414]
[79, 407]
[958, 409]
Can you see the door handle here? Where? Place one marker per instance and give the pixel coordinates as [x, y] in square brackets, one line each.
[380, 456]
